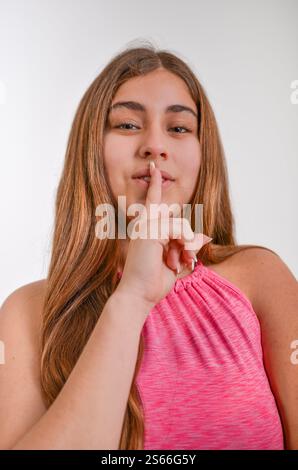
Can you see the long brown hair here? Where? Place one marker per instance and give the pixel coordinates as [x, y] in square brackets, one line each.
[83, 268]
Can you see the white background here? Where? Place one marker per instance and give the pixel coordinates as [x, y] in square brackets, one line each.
[244, 53]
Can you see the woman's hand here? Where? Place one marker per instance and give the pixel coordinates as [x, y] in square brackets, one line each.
[149, 268]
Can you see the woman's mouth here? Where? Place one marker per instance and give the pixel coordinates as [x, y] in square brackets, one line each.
[145, 180]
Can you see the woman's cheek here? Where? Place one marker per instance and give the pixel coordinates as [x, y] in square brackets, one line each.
[191, 165]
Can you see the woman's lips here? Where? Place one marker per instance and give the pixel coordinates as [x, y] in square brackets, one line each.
[143, 183]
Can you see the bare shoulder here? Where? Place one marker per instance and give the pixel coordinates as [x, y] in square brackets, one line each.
[27, 292]
[272, 280]
[237, 270]
[21, 402]
[256, 271]
[26, 303]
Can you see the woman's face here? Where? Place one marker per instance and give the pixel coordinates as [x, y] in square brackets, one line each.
[169, 138]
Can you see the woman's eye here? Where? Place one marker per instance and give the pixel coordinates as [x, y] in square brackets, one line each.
[130, 124]
[179, 127]
[125, 124]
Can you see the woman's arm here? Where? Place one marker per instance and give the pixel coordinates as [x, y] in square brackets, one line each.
[276, 304]
[88, 413]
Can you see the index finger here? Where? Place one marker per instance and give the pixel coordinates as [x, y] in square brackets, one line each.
[154, 192]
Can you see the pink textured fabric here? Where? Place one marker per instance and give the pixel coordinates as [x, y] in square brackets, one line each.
[202, 379]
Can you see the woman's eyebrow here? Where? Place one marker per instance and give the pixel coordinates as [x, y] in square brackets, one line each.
[135, 106]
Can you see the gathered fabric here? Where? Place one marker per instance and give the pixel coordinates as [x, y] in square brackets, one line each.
[202, 379]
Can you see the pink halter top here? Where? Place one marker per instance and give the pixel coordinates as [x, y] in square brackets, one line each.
[202, 380]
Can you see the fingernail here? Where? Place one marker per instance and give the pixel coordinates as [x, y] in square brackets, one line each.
[207, 239]
[192, 265]
[195, 258]
[178, 269]
[152, 166]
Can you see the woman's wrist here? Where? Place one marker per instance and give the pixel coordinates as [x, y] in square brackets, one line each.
[123, 304]
[134, 296]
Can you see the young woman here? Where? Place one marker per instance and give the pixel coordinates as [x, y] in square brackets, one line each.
[125, 344]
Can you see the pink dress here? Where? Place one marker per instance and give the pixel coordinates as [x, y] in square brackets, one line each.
[202, 379]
